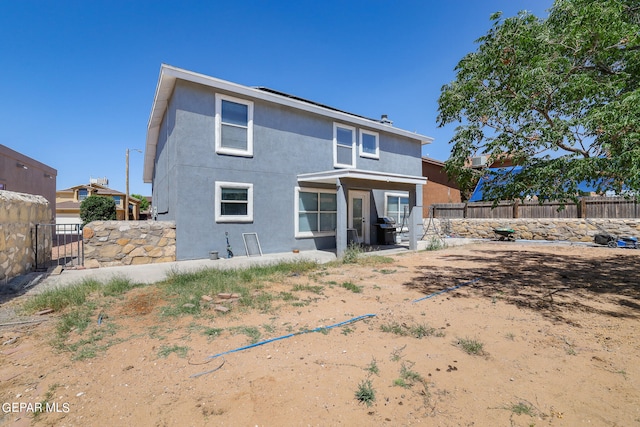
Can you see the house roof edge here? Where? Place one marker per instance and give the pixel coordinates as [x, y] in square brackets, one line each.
[166, 83]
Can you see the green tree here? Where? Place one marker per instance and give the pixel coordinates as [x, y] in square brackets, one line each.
[559, 95]
[144, 203]
[97, 208]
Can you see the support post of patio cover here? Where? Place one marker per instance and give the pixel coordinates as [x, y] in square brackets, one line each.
[341, 220]
[415, 217]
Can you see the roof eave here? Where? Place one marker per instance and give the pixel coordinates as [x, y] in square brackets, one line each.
[166, 83]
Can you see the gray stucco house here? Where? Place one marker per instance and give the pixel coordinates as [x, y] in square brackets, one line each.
[226, 158]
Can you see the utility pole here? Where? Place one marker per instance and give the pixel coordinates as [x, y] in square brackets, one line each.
[126, 197]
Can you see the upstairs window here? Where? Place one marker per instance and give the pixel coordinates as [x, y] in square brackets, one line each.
[234, 202]
[344, 146]
[369, 144]
[82, 194]
[234, 126]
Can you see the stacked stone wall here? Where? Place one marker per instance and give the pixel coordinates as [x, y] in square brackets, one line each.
[575, 230]
[113, 243]
[19, 214]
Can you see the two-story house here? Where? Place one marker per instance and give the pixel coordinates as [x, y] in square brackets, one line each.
[226, 158]
[68, 202]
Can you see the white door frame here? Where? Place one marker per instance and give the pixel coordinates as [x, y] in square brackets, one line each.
[366, 213]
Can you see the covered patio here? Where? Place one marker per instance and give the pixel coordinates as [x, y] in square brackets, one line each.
[359, 202]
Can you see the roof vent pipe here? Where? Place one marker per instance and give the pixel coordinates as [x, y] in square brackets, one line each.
[385, 120]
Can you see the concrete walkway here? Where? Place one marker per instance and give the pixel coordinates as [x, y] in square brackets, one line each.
[152, 273]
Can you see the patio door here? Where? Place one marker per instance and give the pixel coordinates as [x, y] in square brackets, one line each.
[358, 214]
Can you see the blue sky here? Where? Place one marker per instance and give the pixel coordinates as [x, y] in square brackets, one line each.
[78, 77]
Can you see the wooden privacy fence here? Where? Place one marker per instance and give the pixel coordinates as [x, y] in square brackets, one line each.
[588, 207]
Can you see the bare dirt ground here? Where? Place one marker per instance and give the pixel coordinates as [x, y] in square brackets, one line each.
[558, 327]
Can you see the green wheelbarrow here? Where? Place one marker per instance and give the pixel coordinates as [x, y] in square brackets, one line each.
[505, 234]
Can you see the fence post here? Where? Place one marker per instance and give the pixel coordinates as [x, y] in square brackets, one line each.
[464, 210]
[582, 213]
[36, 260]
[516, 209]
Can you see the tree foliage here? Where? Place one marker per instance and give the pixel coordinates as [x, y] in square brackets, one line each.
[560, 96]
[97, 208]
[144, 203]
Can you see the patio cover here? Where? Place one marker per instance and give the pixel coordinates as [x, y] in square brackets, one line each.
[345, 179]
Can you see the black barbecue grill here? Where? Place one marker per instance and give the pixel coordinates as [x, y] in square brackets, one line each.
[386, 231]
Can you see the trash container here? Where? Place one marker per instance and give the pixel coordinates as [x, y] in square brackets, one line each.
[386, 231]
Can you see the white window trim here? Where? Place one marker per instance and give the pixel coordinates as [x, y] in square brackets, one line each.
[335, 146]
[376, 155]
[309, 234]
[386, 207]
[218, 119]
[233, 218]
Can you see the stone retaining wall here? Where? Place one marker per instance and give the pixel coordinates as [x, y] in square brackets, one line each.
[111, 243]
[19, 214]
[577, 230]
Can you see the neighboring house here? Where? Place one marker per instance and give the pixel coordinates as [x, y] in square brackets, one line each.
[68, 202]
[23, 174]
[439, 188]
[226, 158]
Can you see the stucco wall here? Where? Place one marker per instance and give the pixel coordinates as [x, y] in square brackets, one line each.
[19, 213]
[287, 142]
[34, 178]
[541, 229]
[111, 243]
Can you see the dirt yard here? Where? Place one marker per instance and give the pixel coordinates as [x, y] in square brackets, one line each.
[546, 336]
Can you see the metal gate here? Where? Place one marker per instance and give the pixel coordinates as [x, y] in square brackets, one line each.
[58, 244]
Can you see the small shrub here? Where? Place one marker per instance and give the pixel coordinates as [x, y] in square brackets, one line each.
[365, 393]
[351, 287]
[165, 350]
[416, 331]
[408, 375]
[471, 346]
[396, 354]
[212, 332]
[308, 288]
[353, 252]
[435, 244]
[372, 368]
[393, 328]
[522, 408]
[77, 320]
[400, 382]
[250, 331]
